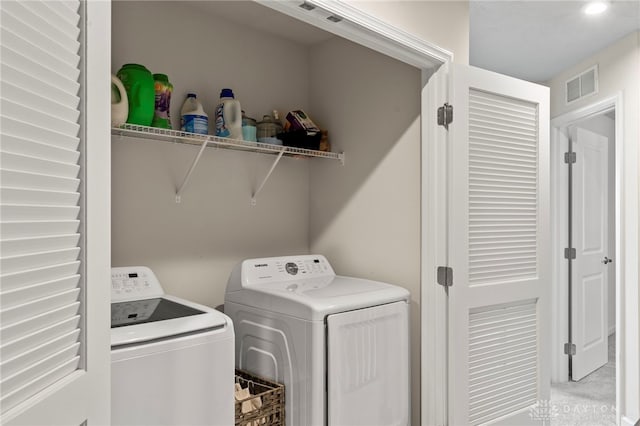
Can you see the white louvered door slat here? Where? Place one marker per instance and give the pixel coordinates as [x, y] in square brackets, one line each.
[26, 147]
[498, 243]
[40, 210]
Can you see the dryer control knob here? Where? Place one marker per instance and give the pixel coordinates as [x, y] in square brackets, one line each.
[291, 268]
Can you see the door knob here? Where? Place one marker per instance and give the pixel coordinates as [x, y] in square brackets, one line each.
[606, 260]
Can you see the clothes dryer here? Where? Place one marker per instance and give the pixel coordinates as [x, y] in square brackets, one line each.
[340, 345]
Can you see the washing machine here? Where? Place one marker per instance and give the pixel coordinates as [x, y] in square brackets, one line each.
[340, 345]
[172, 360]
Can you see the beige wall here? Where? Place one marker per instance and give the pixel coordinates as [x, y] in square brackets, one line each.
[444, 23]
[202, 52]
[192, 246]
[365, 216]
[619, 70]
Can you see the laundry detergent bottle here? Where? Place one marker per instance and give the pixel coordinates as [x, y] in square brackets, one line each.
[163, 91]
[119, 102]
[139, 85]
[192, 117]
[228, 116]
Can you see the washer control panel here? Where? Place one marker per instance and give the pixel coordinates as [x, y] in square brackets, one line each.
[134, 282]
[135, 311]
[280, 269]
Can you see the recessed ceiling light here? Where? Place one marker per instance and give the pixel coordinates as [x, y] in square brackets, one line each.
[595, 7]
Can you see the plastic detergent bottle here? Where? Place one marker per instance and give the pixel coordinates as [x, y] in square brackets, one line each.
[139, 84]
[228, 116]
[192, 117]
[163, 100]
[248, 128]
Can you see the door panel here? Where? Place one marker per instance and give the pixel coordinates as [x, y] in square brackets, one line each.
[368, 366]
[54, 342]
[590, 238]
[498, 248]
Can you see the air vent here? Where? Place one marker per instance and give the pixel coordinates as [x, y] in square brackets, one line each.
[307, 6]
[582, 85]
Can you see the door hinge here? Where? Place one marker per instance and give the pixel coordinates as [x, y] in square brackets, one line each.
[445, 115]
[569, 253]
[569, 157]
[569, 349]
[445, 276]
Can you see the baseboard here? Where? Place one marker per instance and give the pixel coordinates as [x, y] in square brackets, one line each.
[626, 421]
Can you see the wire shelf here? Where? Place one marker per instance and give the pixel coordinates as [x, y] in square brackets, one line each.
[176, 136]
[204, 141]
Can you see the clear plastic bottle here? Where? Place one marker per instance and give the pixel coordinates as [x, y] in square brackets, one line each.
[248, 128]
[228, 116]
[192, 116]
[277, 121]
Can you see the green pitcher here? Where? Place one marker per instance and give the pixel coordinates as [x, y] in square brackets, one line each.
[139, 84]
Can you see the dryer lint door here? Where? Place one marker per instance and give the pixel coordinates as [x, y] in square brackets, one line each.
[368, 366]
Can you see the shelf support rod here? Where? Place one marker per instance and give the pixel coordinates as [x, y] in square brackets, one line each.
[187, 176]
[273, 166]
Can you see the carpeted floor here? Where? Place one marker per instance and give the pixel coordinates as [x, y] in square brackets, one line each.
[591, 401]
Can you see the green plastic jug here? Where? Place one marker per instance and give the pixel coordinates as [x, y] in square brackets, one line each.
[139, 84]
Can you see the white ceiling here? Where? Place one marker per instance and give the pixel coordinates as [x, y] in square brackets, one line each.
[261, 18]
[535, 40]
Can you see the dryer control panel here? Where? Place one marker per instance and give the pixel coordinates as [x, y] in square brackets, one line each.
[133, 283]
[282, 269]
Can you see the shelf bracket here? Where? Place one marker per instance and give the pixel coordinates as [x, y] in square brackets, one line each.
[187, 176]
[273, 166]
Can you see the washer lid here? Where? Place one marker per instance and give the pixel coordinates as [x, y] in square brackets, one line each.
[315, 298]
[138, 321]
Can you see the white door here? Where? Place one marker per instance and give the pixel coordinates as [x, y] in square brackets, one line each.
[54, 213]
[498, 248]
[589, 278]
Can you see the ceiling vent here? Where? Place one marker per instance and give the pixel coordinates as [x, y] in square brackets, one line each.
[582, 85]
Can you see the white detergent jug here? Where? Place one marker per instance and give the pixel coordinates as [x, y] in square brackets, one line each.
[228, 116]
[192, 116]
[119, 102]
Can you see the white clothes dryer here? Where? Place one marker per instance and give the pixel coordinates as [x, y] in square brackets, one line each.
[340, 345]
[171, 359]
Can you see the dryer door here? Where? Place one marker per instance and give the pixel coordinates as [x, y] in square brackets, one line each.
[368, 366]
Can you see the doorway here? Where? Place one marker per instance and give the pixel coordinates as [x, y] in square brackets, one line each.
[589, 394]
[586, 233]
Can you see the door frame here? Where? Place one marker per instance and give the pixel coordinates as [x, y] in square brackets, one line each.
[559, 199]
[436, 179]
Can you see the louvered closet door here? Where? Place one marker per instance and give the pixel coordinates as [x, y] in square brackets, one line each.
[498, 248]
[42, 216]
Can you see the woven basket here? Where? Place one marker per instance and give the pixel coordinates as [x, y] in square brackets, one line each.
[272, 394]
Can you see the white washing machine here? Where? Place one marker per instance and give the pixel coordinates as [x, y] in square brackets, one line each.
[171, 360]
[339, 345]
